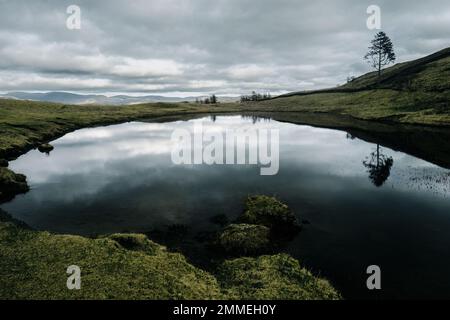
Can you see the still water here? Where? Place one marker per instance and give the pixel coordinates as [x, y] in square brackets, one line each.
[364, 204]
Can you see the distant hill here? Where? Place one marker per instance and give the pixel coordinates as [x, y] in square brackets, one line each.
[80, 99]
[430, 74]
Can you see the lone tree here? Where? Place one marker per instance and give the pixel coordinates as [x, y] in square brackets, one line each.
[381, 52]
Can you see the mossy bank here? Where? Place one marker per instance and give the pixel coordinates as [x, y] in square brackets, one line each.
[129, 266]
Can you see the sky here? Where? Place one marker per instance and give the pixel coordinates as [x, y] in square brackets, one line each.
[197, 47]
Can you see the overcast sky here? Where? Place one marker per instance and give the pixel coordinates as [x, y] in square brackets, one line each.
[184, 47]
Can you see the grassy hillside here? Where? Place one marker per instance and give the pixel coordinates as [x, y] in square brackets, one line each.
[431, 73]
[415, 92]
[387, 105]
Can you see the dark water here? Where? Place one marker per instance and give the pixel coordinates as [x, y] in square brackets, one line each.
[366, 205]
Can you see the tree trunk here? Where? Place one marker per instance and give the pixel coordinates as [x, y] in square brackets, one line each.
[379, 66]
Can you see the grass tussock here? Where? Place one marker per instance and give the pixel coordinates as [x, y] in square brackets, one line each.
[265, 226]
[245, 239]
[270, 212]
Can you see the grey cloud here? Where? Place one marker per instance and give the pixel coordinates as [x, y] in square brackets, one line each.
[200, 46]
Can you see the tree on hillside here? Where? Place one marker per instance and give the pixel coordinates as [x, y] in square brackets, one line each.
[381, 52]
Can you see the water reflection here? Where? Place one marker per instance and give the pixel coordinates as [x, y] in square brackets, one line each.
[120, 178]
[255, 119]
[378, 166]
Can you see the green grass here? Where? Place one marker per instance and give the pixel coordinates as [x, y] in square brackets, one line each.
[129, 266]
[33, 266]
[417, 107]
[245, 239]
[266, 277]
[270, 212]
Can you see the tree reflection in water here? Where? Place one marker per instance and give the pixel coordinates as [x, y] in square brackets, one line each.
[378, 166]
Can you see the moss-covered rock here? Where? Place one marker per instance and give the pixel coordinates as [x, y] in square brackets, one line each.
[136, 242]
[270, 212]
[272, 277]
[245, 239]
[11, 184]
[45, 148]
[4, 163]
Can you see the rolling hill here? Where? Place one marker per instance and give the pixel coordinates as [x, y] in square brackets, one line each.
[414, 92]
[90, 99]
[431, 73]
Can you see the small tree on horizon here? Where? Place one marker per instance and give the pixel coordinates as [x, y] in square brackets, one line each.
[381, 52]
